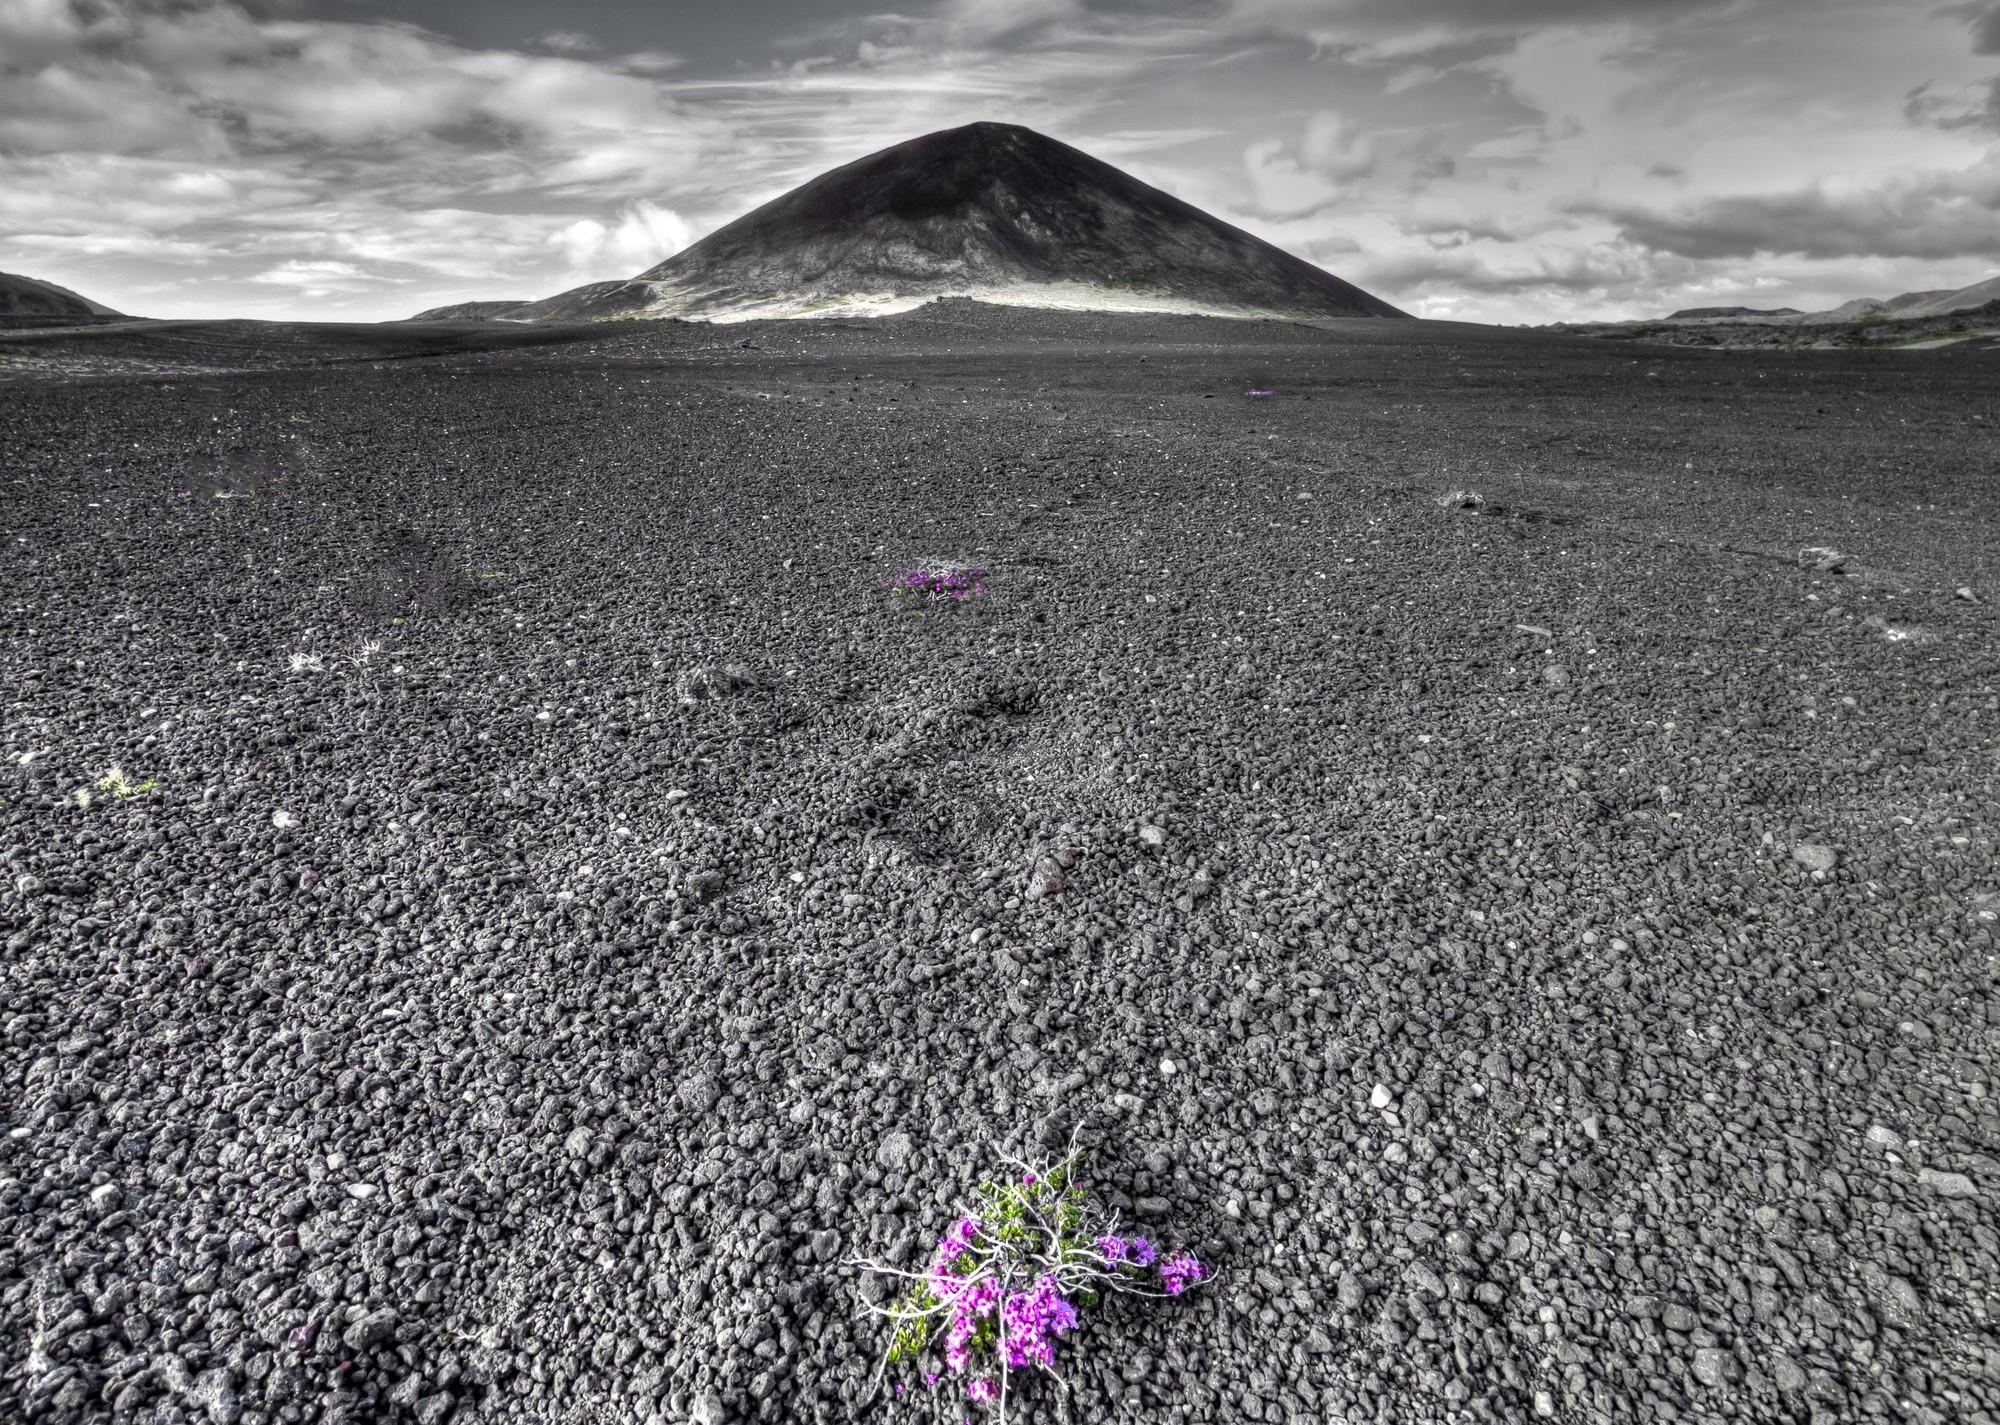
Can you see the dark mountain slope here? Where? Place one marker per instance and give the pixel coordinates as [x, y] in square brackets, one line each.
[31, 297]
[989, 210]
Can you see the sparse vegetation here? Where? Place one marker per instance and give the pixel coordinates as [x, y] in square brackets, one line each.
[930, 588]
[1006, 1281]
[116, 784]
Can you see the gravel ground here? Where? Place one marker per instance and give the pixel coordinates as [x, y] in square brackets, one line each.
[1474, 879]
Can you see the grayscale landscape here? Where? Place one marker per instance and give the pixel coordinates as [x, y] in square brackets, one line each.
[696, 729]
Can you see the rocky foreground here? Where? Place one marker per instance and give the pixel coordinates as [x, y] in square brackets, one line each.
[1492, 841]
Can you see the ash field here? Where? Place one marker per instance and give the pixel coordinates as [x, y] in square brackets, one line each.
[1490, 841]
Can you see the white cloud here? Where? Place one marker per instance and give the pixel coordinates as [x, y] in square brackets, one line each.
[1519, 159]
[644, 235]
[316, 277]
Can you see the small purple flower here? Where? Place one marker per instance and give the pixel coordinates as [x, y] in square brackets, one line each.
[1140, 1252]
[1180, 1272]
[938, 586]
[1028, 1178]
[1112, 1249]
[958, 1241]
[983, 1391]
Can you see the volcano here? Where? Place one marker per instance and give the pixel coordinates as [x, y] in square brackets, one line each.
[991, 211]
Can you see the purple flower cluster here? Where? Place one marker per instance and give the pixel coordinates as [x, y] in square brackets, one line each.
[1033, 1319]
[1179, 1273]
[937, 588]
[1131, 1252]
[971, 1303]
[1004, 1284]
[958, 1241]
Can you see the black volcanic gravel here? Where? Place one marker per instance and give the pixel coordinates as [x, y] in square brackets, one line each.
[578, 909]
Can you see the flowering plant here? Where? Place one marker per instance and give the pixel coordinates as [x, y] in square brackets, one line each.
[940, 586]
[1008, 1276]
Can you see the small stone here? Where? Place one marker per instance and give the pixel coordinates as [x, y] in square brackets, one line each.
[1676, 1317]
[1786, 1374]
[1046, 881]
[106, 1196]
[577, 1145]
[1152, 835]
[1948, 1184]
[1813, 856]
[1883, 1138]
[1593, 1127]
[433, 1408]
[825, 1245]
[283, 819]
[1395, 1153]
[362, 1191]
[213, 1391]
[1545, 1404]
[895, 1151]
[707, 1409]
[1350, 1293]
[676, 795]
[1381, 1097]
[1555, 675]
[1711, 1366]
[1894, 1296]
[1169, 1067]
[371, 1330]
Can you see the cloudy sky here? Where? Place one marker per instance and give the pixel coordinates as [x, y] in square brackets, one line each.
[1497, 160]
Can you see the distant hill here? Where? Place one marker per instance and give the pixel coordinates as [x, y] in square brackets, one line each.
[464, 312]
[31, 297]
[1904, 306]
[1694, 314]
[992, 211]
[1962, 300]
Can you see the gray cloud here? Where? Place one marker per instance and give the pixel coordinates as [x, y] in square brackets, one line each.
[1933, 216]
[214, 143]
[568, 42]
[1426, 25]
[1972, 106]
[1985, 21]
[1600, 271]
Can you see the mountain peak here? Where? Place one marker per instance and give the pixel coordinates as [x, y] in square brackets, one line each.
[987, 210]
